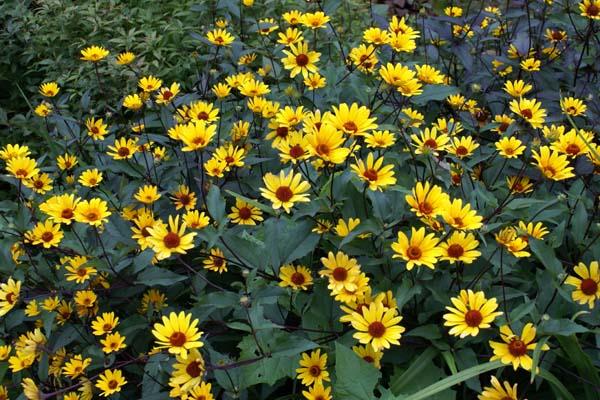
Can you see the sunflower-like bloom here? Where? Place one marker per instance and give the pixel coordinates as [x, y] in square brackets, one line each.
[530, 110]
[300, 60]
[402, 78]
[460, 246]
[11, 151]
[90, 178]
[354, 120]
[94, 53]
[9, 295]
[341, 270]
[369, 354]
[515, 348]
[22, 167]
[429, 141]
[471, 312]
[590, 9]
[462, 218]
[133, 102]
[326, 143]
[377, 325]
[517, 88]
[46, 234]
[376, 175]
[463, 146]
[364, 58]
[427, 200]
[167, 94]
[172, 239]
[178, 333]
[123, 149]
[243, 213]
[317, 392]
[573, 143]
[93, 212]
[60, 209]
[49, 89]
[284, 190]
[586, 282]
[572, 106]
[125, 58]
[510, 147]
[187, 373]
[314, 20]
[497, 392]
[313, 368]
[297, 277]
[197, 135]
[553, 165]
[420, 249]
[147, 194]
[110, 382]
[220, 37]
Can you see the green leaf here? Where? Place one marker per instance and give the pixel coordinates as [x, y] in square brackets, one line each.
[557, 387]
[289, 240]
[355, 378]
[153, 276]
[434, 92]
[398, 384]
[585, 367]
[252, 202]
[215, 204]
[453, 380]
[546, 255]
[537, 352]
[561, 326]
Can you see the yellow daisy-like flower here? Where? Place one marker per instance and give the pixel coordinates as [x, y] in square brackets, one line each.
[147, 194]
[215, 167]
[30, 389]
[377, 325]
[462, 147]
[66, 161]
[515, 348]
[94, 53]
[149, 83]
[315, 81]
[49, 89]
[60, 209]
[517, 88]
[125, 58]
[254, 88]
[105, 323]
[553, 165]
[244, 213]
[354, 120]
[364, 58]
[110, 382]
[504, 121]
[284, 190]
[586, 282]
[430, 141]
[11, 151]
[572, 106]
[200, 392]
[341, 270]
[376, 36]
[133, 102]
[172, 239]
[510, 147]
[96, 128]
[90, 178]
[187, 373]
[46, 233]
[343, 228]
[196, 220]
[427, 200]
[326, 143]
[369, 354]
[531, 64]
[317, 392]
[573, 143]
[462, 218]
[313, 368]
[9, 295]
[184, 198]
[40, 183]
[76, 366]
[519, 184]
[380, 139]
[197, 135]
[590, 9]
[221, 90]
[167, 94]
[220, 37]
[314, 20]
[532, 229]
[471, 312]
[123, 149]
[290, 36]
[402, 78]
[113, 342]
[43, 109]
[178, 333]
[376, 175]
[22, 167]
[93, 212]
[497, 392]
[420, 249]
[300, 60]
[297, 277]
[460, 246]
[216, 261]
[530, 110]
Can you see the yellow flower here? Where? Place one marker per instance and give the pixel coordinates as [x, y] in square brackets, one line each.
[462, 147]
[253, 88]
[197, 135]
[497, 392]
[519, 184]
[504, 121]
[244, 213]
[60, 209]
[215, 167]
[402, 78]
[78, 271]
[453, 11]
[123, 149]
[46, 234]
[9, 295]
[369, 354]
[113, 342]
[11, 151]
[517, 88]
[196, 220]
[531, 64]
[40, 183]
[354, 120]
[97, 129]
[30, 389]
[510, 147]
[341, 270]
[553, 165]
[199, 111]
[343, 228]
[187, 373]
[573, 143]
[149, 83]
[297, 277]
[514, 349]
[76, 366]
[105, 323]
[221, 90]
[293, 148]
[590, 9]
[300, 60]
[586, 282]
[133, 102]
[317, 392]
[125, 58]
[200, 392]
[427, 200]
[22, 167]
[216, 261]
[374, 173]
[49, 89]
[290, 36]
[43, 109]
[314, 20]
[93, 53]
[529, 110]
[5, 352]
[420, 249]
[90, 177]
[66, 161]
[284, 190]
[315, 81]
[572, 106]
[313, 368]
[167, 94]
[220, 37]
[376, 36]
[292, 17]
[380, 139]
[429, 141]
[415, 118]
[377, 325]
[326, 143]
[172, 239]
[430, 75]
[110, 382]
[93, 212]
[460, 246]
[178, 333]
[147, 194]
[471, 312]
[364, 58]
[462, 218]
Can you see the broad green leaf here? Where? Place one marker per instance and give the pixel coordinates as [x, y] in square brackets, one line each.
[585, 367]
[355, 378]
[400, 382]
[158, 276]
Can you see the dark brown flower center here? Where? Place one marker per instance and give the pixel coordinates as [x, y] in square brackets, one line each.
[413, 252]
[314, 370]
[184, 199]
[370, 174]
[245, 212]
[284, 193]
[21, 172]
[322, 149]
[526, 113]
[455, 250]
[431, 143]
[350, 126]
[462, 151]
[340, 274]
[297, 278]
[167, 94]
[376, 329]
[218, 262]
[368, 359]
[113, 384]
[517, 347]
[194, 369]
[589, 287]
[92, 216]
[123, 151]
[425, 208]
[47, 236]
[296, 151]
[282, 131]
[202, 115]
[302, 60]
[572, 149]
[593, 10]
[171, 240]
[473, 318]
[177, 339]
